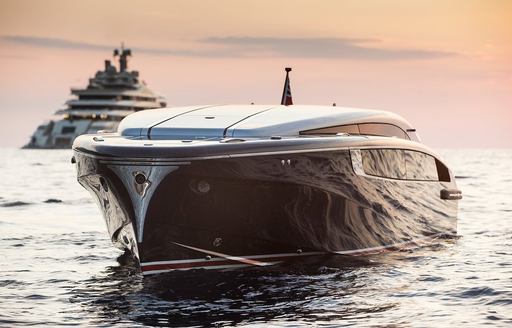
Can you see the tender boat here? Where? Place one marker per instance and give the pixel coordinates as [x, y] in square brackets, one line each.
[227, 186]
[110, 96]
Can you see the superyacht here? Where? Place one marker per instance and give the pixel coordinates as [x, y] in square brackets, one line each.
[112, 94]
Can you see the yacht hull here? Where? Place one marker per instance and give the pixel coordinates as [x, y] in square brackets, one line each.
[258, 209]
[60, 134]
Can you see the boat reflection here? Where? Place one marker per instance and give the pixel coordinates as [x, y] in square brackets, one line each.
[331, 288]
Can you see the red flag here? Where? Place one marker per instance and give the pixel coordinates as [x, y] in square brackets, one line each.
[287, 92]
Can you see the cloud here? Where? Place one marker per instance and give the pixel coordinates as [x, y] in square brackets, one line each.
[344, 48]
[56, 43]
[52, 42]
[235, 47]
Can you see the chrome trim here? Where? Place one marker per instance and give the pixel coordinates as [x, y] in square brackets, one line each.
[126, 163]
[411, 145]
[141, 194]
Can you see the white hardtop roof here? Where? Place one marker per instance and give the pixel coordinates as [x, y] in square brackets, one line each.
[247, 121]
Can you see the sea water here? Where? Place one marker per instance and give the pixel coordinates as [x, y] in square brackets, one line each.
[58, 266]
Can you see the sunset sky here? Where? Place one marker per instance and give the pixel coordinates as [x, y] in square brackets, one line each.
[446, 66]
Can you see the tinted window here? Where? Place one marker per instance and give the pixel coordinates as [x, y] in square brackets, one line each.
[350, 129]
[387, 163]
[420, 166]
[400, 164]
[372, 129]
[68, 129]
[379, 129]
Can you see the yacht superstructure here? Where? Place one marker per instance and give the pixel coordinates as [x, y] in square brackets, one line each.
[110, 95]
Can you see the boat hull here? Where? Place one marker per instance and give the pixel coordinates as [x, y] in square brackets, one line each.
[259, 209]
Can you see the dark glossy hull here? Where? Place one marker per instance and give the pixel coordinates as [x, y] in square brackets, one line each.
[260, 209]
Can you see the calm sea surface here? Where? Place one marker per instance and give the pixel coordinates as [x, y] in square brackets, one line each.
[58, 267]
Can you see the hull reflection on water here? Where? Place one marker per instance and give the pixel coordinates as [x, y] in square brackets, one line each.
[327, 288]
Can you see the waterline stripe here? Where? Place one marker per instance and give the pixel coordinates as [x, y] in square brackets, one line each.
[226, 261]
[265, 256]
[212, 267]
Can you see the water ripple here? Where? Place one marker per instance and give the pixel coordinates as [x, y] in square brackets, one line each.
[14, 204]
[58, 267]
